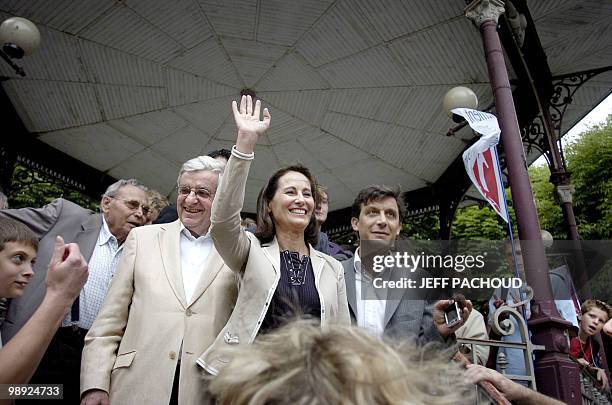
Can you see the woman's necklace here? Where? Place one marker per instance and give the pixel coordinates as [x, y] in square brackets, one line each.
[297, 267]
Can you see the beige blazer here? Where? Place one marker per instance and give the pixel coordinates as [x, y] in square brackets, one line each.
[258, 266]
[145, 324]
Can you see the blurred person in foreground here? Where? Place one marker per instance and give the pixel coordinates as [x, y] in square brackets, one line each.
[301, 363]
[66, 275]
[515, 392]
[281, 274]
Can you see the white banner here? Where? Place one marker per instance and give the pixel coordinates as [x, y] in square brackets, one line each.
[481, 160]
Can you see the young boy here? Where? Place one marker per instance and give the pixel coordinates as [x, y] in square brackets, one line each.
[594, 315]
[66, 275]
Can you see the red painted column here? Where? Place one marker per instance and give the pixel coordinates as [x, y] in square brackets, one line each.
[556, 374]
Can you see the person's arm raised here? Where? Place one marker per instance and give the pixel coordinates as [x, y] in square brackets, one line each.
[230, 240]
[250, 127]
[66, 276]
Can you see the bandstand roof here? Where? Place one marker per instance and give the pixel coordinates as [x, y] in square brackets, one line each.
[134, 88]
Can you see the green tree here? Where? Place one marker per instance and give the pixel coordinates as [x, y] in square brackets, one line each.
[589, 159]
[31, 188]
[475, 222]
[549, 210]
[422, 227]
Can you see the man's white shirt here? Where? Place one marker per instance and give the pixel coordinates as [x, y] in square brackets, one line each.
[102, 265]
[370, 312]
[194, 254]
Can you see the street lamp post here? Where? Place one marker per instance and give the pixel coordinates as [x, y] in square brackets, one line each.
[18, 37]
[556, 374]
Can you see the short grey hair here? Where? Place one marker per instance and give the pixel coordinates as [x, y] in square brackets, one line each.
[3, 201]
[200, 164]
[113, 189]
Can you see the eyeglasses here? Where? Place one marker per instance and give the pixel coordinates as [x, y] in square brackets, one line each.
[202, 193]
[134, 205]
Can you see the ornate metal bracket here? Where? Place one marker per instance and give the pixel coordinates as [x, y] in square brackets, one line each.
[534, 137]
[564, 88]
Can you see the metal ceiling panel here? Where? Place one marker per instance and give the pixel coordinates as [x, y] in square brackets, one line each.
[252, 191]
[288, 128]
[335, 152]
[423, 104]
[227, 134]
[362, 133]
[110, 66]
[56, 59]
[181, 145]
[150, 168]
[208, 60]
[68, 16]
[123, 101]
[308, 105]
[571, 52]
[252, 59]
[370, 73]
[232, 18]
[49, 105]
[337, 191]
[266, 162]
[393, 19]
[342, 31]
[381, 104]
[125, 30]
[180, 19]
[98, 145]
[292, 73]
[149, 128]
[458, 58]
[208, 116]
[541, 9]
[375, 171]
[184, 88]
[374, 67]
[292, 152]
[284, 22]
[402, 147]
[440, 151]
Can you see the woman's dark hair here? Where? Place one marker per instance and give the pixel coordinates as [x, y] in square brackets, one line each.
[265, 225]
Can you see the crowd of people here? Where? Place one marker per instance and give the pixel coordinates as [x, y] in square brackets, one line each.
[151, 302]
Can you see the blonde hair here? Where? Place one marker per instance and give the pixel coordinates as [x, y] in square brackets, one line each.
[304, 364]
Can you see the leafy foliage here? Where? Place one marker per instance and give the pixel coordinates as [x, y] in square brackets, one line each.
[34, 189]
[589, 159]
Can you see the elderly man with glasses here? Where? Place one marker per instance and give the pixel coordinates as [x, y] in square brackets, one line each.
[171, 296]
[100, 237]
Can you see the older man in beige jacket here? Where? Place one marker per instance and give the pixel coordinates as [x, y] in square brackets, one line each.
[170, 297]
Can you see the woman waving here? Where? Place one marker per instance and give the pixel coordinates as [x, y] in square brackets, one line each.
[282, 276]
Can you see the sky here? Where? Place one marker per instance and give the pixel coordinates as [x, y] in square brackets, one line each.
[596, 116]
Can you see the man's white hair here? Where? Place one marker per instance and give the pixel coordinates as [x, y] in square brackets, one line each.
[202, 163]
[113, 189]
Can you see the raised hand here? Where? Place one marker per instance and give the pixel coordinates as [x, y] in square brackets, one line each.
[249, 125]
[67, 271]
